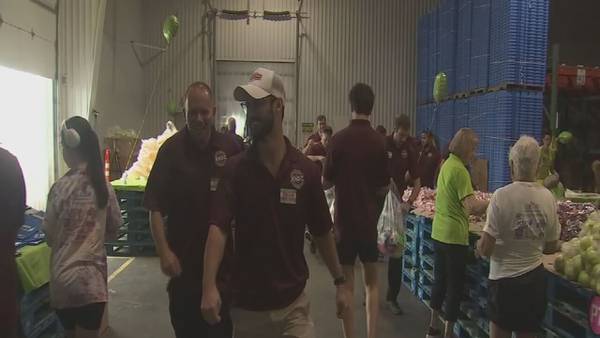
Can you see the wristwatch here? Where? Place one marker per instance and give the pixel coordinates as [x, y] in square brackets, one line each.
[339, 281]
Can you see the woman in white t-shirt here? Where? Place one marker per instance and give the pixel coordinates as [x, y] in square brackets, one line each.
[522, 225]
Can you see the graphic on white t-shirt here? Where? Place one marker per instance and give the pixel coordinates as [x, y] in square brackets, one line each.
[530, 223]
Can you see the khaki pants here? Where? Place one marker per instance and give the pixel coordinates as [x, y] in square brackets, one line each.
[291, 322]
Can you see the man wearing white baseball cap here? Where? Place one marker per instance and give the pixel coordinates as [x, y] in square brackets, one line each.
[272, 192]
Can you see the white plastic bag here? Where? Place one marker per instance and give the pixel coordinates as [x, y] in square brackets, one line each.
[330, 197]
[391, 227]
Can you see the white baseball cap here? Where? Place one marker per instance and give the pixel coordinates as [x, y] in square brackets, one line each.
[263, 82]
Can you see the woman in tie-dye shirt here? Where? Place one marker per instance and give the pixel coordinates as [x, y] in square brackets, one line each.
[82, 211]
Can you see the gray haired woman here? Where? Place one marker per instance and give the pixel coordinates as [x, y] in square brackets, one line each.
[521, 225]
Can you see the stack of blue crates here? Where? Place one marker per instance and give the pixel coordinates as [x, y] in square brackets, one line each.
[445, 128]
[463, 48]
[38, 319]
[423, 60]
[500, 118]
[434, 52]
[448, 41]
[480, 44]
[410, 259]
[519, 35]
[461, 113]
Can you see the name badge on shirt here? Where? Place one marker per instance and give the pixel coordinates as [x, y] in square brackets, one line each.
[287, 196]
[214, 183]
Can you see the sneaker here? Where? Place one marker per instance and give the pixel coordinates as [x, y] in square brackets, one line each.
[433, 333]
[395, 308]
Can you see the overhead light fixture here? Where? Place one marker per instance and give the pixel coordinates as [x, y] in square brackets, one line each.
[277, 16]
[234, 15]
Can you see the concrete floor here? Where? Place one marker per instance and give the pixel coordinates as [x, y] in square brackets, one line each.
[138, 305]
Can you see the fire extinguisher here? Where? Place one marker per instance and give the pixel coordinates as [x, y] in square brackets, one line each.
[107, 163]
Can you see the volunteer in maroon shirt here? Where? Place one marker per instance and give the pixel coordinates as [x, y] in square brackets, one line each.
[429, 160]
[317, 151]
[357, 165]
[316, 136]
[403, 158]
[271, 191]
[12, 211]
[232, 130]
[183, 179]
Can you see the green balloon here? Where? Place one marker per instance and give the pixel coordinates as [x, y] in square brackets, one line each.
[440, 87]
[565, 137]
[172, 107]
[170, 28]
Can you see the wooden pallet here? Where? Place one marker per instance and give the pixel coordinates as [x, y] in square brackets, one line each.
[513, 87]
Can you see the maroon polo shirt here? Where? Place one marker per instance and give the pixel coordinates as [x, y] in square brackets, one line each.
[12, 210]
[317, 149]
[429, 161]
[181, 184]
[269, 271]
[402, 159]
[357, 166]
[315, 137]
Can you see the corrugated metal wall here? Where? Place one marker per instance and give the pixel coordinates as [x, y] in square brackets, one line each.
[186, 60]
[344, 41]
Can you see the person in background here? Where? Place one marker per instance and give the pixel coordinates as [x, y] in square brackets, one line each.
[12, 210]
[181, 184]
[381, 129]
[357, 166]
[454, 203]
[429, 160]
[596, 171]
[81, 213]
[316, 136]
[232, 128]
[522, 225]
[403, 162]
[317, 151]
[224, 129]
[272, 192]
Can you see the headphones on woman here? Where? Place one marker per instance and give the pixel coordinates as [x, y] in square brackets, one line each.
[70, 136]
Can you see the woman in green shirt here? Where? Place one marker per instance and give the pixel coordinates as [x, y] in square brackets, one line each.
[454, 203]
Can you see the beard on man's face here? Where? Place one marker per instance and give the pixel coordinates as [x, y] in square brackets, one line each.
[260, 127]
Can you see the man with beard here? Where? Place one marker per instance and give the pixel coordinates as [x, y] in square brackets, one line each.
[183, 179]
[357, 166]
[316, 136]
[272, 192]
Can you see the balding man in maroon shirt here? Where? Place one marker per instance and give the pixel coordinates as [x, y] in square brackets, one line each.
[272, 192]
[357, 166]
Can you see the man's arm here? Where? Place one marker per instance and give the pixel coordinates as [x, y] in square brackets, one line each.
[213, 256]
[415, 192]
[169, 263]
[473, 206]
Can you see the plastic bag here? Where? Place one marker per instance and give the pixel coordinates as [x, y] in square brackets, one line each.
[330, 197]
[390, 228]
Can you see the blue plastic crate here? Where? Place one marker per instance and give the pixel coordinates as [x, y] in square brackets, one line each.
[424, 293]
[410, 283]
[519, 35]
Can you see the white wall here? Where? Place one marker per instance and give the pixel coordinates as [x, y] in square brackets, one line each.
[18, 50]
[120, 97]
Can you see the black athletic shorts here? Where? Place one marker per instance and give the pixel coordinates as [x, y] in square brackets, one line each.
[87, 317]
[518, 304]
[349, 250]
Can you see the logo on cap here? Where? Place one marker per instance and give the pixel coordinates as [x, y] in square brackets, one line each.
[297, 178]
[256, 76]
[220, 158]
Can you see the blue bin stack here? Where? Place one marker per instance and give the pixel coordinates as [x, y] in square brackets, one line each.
[463, 48]
[519, 35]
[448, 41]
[480, 44]
[494, 55]
[423, 60]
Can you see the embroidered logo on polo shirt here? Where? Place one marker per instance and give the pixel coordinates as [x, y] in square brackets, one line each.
[429, 154]
[220, 158]
[297, 178]
[404, 154]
